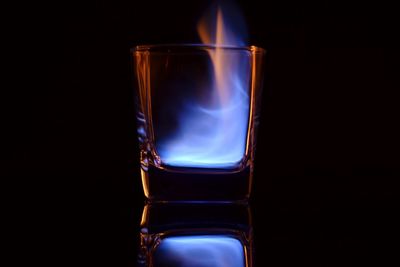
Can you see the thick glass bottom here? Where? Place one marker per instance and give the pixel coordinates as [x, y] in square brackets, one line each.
[169, 186]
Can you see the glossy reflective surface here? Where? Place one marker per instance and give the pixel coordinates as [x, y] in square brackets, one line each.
[200, 251]
[196, 235]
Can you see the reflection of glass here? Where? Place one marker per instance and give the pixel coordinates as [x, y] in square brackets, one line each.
[196, 235]
[199, 250]
[197, 116]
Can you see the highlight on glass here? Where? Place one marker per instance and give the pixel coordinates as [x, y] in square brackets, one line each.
[198, 107]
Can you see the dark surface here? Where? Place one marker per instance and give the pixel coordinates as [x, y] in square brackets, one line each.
[328, 147]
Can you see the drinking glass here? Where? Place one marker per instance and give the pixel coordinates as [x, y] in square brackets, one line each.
[197, 112]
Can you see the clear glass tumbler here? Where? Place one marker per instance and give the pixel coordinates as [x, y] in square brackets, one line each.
[198, 109]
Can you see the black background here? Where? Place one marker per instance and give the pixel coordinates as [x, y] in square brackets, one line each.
[328, 145]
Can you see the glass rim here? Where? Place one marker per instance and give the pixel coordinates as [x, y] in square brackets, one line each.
[158, 47]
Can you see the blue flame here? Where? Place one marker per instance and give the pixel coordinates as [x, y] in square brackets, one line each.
[214, 134]
[200, 251]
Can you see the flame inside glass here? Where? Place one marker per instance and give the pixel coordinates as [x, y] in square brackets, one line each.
[200, 251]
[211, 130]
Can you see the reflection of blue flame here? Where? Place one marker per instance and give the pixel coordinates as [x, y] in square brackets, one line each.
[200, 251]
[213, 134]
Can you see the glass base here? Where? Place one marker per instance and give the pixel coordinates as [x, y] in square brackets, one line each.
[169, 186]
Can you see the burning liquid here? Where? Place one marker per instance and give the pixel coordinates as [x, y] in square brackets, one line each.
[201, 251]
[211, 131]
